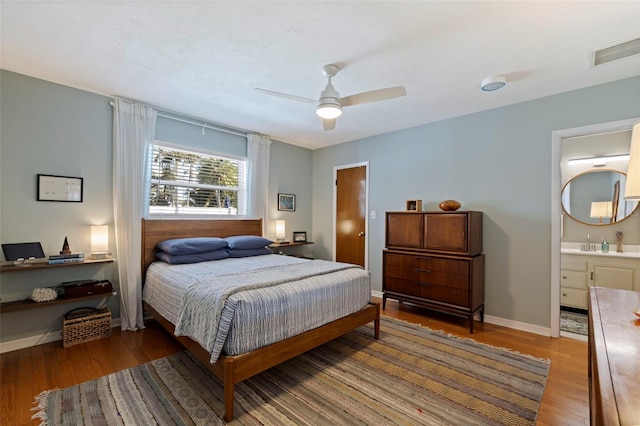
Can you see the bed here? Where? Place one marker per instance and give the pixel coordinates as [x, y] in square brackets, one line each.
[234, 368]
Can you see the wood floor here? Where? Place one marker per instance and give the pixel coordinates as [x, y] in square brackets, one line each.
[27, 372]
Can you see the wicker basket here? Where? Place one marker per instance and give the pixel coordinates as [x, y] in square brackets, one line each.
[84, 325]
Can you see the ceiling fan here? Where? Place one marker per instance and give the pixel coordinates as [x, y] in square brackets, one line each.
[330, 103]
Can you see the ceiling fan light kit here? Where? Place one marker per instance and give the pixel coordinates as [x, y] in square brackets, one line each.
[491, 84]
[330, 104]
[329, 109]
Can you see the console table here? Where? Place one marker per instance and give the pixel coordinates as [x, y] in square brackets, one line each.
[614, 357]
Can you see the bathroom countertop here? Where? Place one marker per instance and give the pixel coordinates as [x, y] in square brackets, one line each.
[629, 251]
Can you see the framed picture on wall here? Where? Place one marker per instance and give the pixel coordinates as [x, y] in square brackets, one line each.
[287, 202]
[299, 237]
[59, 188]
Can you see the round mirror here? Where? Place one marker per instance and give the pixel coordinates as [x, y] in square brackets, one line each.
[596, 197]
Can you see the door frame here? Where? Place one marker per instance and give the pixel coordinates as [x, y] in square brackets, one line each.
[556, 204]
[366, 214]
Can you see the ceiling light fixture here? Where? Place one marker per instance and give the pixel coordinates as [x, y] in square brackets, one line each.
[494, 83]
[328, 105]
[598, 161]
[329, 108]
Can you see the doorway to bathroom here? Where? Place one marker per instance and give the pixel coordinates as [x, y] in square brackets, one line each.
[572, 226]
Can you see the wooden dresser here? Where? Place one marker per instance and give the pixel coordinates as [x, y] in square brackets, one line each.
[435, 260]
[614, 357]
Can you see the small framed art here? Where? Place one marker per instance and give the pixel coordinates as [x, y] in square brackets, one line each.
[287, 202]
[414, 205]
[299, 237]
[59, 188]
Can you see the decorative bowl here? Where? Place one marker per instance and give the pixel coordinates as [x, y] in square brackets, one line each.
[449, 205]
[636, 311]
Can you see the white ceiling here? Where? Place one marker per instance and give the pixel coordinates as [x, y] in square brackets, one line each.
[203, 59]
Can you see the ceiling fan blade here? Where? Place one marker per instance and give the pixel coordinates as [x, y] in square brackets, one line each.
[284, 95]
[373, 96]
[328, 123]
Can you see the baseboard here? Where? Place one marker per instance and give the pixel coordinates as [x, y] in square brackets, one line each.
[27, 342]
[516, 325]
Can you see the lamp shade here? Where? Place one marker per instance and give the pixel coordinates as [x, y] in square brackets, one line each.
[632, 185]
[99, 238]
[280, 230]
[601, 209]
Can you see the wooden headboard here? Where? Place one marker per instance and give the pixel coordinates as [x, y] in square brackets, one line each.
[154, 231]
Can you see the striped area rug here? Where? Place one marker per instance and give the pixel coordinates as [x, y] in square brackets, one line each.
[411, 376]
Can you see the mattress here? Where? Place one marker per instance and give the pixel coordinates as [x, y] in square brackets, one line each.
[262, 316]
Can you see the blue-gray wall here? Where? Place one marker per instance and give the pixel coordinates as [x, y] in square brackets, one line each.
[498, 162]
[53, 129]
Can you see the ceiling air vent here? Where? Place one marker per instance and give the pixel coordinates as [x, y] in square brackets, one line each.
[615, 52]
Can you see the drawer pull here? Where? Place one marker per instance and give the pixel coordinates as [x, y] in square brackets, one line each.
[422, 284]
[564, 294]
[564, 277]
[426, 271]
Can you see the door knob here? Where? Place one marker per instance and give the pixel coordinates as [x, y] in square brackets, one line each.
[360, 234]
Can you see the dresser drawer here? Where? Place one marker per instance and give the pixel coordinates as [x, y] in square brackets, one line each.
[573, 279]
[427, 263]
[425, 276]
[454, 296]
[573, 297]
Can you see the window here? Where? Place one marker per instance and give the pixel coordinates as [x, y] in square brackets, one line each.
[186, 182]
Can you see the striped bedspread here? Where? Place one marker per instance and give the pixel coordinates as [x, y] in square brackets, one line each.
[201, 312]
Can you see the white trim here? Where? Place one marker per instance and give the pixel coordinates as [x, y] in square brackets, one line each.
[517, 325]
[377, 293]
[27, 342]
[556, 208]
[366, 214]
[574, 336]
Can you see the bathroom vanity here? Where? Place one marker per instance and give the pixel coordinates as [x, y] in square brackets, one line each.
[583, 269]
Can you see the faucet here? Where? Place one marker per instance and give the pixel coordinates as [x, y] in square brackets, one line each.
[588, 246]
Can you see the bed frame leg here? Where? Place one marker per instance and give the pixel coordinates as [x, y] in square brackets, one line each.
[229, 391]
[376, 324]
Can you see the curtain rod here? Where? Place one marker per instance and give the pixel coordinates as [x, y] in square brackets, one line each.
[204, 124]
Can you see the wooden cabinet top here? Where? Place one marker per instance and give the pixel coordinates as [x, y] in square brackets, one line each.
[457, 232]
[434, 212]
[614, 345]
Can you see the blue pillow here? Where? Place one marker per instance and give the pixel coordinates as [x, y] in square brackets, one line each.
[247, 242]
[182, 246]
[248, 252]
[177, 259]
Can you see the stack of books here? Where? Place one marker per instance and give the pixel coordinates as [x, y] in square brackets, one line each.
[66, 258]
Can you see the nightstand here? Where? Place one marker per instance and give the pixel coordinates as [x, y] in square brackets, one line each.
[293, 249]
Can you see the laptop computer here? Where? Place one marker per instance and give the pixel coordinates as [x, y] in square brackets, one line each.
[22, 251]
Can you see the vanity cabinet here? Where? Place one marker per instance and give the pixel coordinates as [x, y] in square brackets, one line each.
[579, 272]
[434, 260]
[573, 282]
[615, 274]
